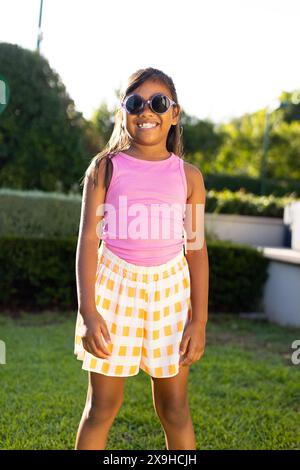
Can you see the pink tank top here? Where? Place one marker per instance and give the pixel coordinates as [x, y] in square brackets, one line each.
[144, 209]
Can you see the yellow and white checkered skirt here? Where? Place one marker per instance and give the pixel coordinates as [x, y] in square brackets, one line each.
[146, 309]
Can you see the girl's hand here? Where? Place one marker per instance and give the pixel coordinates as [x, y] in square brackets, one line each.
[192, 343]
[92, 340]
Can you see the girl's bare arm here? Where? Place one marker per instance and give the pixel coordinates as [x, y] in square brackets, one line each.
[193, 341]
[86, 264]
[88, 242]
[196, 254]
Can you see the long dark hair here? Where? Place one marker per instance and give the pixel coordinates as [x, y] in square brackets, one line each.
[119, 140]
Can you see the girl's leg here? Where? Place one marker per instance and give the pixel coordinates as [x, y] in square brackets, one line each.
[170, 400]
[104, 399]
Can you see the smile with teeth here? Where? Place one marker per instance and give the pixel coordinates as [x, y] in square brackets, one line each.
[147, 125]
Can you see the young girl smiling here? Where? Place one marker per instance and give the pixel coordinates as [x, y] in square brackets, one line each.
[142, 300]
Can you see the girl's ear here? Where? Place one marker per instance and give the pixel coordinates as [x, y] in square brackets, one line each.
[176, 113]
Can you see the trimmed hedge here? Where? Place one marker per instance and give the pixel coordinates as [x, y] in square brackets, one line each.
[40, 214]
[39, 273]
[238, 273]
[240, 203]
[221, 181]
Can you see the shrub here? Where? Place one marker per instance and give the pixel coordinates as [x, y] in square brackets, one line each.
[39, 273]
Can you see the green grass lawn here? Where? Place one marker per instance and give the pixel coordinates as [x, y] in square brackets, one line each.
[244, 393]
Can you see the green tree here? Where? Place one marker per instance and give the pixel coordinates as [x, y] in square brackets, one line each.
[240, 153]
[103, 120]
[44, 141]
[201, 140]
[292, 111]
[284, 153]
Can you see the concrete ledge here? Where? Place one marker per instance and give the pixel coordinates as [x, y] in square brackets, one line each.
[285, 255]
[281, 297]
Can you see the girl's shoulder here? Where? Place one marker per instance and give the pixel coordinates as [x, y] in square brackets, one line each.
[96, 171]
[193, 176]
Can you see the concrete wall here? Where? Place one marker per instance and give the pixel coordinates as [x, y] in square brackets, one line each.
[264, 231]
[281, 297]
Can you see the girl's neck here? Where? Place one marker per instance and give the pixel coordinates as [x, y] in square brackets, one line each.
[148, 152]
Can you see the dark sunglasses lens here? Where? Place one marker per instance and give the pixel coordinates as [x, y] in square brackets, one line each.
[160, 104]
[134, 104]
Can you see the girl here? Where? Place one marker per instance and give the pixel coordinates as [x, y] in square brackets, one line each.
[142, 300]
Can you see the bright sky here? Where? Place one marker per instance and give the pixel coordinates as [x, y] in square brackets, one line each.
[226, 57]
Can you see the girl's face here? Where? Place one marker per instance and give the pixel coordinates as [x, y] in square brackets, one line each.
[156, 135]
